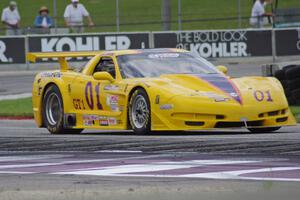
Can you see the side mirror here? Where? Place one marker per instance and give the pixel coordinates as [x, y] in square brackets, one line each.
[103, 76]
[222, 69]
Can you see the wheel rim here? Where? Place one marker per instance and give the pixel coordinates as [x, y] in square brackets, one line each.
[53, 109]
[139, 112]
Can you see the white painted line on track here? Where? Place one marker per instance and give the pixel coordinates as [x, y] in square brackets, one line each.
[31, 157]
[152, 167]
[237, 174]
[265, 169]
[72, 162]
[15, 96]
[12, 172]
[117, 151]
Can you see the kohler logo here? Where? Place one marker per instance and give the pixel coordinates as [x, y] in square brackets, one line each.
[91, 43]
[3, 58]
[70, 44]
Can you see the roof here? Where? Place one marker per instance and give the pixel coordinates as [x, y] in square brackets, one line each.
[139, 51]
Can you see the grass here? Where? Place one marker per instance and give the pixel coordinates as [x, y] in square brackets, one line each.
[16, 108]
[23, 108]
[141, 12]
[296, 112]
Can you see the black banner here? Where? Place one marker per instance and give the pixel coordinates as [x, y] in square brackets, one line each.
[218, 44]
[209, 44]
[287, 42]
[12, 50]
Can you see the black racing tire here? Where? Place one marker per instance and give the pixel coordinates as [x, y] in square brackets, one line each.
[293, 72]
[280, 75]
[296, 94]
[53, 112]
[292, 101]
[287, 92]
[294, 84]
[263, 130]
[139, 112]
[288, 67]
[284, 84]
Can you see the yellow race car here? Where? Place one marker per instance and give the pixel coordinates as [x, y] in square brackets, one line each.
[153, 90]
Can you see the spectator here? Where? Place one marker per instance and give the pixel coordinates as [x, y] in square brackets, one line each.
[74, 15]
[11, 18]
[43, 20]
[258, 13]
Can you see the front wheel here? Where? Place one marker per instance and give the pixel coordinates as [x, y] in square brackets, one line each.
[263, 130]
[53, 112]
[139, 112]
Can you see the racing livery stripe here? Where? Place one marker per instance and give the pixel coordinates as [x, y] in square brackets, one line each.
[222, 83]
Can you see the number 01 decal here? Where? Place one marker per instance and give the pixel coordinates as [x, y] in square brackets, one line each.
[89, 96]
[263, 95]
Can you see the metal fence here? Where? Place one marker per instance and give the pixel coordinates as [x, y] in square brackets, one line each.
[115, 15]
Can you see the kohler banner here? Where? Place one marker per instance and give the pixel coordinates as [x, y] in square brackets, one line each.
[218, 44]
[91, 42]
[208, 44]
[12, 50]
[287, 42]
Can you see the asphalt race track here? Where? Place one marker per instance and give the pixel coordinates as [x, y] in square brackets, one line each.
[223, 164]
[210, 165]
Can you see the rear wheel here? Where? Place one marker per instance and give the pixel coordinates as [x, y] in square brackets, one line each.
[53, 112]
[139, 112]
[263, 130]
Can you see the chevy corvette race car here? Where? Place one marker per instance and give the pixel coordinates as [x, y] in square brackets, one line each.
[153, 90]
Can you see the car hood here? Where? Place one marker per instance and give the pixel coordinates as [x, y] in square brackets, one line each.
[213, 86]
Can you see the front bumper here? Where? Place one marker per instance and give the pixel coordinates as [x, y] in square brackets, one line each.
[226, 115]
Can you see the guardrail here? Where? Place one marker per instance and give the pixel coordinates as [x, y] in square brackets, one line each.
[207, 43]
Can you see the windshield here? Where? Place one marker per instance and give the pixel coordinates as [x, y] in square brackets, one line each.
[156, 64]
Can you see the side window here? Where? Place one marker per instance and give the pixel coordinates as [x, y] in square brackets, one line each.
[106, 65]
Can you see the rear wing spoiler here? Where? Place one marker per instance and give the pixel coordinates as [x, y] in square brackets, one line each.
[61, 56]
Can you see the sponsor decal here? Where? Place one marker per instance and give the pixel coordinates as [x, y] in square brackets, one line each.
[112, 121]
[103, 123]
[78, 104]
[214, 96]
[111, 88]
[167, 107]
[163, 55]
[88, 122]
[112, 100]
[233, 94]
[116, 108]
[51, 75]
[93, 117]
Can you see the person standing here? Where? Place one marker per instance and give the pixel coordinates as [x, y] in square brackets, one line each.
[43, 20]
[258, 13]
[74, 16]
[11, 18]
